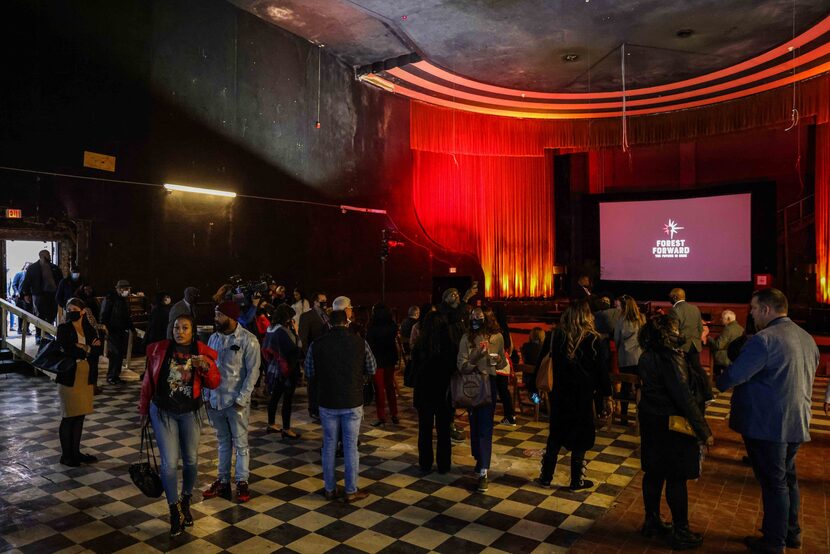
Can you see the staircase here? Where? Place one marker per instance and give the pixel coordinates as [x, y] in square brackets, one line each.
[9, 364]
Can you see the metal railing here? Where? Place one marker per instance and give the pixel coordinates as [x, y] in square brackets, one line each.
[27, 318]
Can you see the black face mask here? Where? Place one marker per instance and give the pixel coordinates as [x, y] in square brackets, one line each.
[323, 305]
[73, 316]
[476, 324]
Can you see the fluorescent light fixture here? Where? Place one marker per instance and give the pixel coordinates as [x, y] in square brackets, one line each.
[345, 209]
[199, 190]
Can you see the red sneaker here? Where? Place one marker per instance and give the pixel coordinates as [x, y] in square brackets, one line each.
[242, 493]
[218, 488]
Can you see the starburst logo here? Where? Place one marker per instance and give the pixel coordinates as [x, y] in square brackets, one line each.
[671, 228]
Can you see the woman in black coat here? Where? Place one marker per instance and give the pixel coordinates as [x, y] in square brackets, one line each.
[581, 364]
[76, 387]
[433, 359]
[668, 457]
[159, 316]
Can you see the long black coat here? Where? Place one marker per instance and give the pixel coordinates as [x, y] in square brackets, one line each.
[432, 374]
[576, 382]
[67, 337]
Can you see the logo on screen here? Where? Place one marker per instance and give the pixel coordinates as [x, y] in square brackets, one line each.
[671, 228]
[671, 248]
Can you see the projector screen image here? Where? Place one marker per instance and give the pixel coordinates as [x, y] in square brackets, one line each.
[679, 240]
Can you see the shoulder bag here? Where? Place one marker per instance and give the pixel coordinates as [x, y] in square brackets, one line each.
[544, 377]
[145, 473]
[52, 359]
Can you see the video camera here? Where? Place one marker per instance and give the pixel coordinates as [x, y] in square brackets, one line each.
[249, 288]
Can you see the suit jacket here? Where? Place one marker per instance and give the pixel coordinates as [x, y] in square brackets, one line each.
[690, 324]
[720, 345]
[311, 328]
[773, 380]
[179, 308]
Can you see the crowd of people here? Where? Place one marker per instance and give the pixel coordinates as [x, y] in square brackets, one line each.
[267, 344]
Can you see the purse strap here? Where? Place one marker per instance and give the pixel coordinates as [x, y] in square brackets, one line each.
[146, 435]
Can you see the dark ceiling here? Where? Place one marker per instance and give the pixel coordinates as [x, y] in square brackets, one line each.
[521, 43]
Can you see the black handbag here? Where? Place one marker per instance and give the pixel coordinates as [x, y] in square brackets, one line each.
[144, 473]
[369, 391]
[52, 359]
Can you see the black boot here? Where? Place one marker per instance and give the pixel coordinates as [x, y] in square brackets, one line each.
[185, 506]
[548, 468]
[654, 526]
[683, 538]
[176, 520]
[578, 481]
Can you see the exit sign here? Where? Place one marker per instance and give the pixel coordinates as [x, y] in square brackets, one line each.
[14, 214]
[453, 270]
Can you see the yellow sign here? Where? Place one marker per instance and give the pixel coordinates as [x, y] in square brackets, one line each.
[95, 160]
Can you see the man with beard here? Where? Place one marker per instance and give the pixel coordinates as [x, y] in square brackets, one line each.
[229, 404]
[773, 380]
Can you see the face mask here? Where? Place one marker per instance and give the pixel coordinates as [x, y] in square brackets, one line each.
[125, 293]
[73, 316]
[76, 276]
[166, 300]
[323, 305]
[476, 324]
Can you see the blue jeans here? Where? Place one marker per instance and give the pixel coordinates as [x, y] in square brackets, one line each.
[774, 466]
[231, 432]
[481, 430]
[345, 423]
[177, 436]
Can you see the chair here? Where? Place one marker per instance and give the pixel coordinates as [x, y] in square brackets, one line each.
[528, 371]
[617, 379]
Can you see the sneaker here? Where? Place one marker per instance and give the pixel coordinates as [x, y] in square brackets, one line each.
[483, 485]
[218, 488]
[581, 485]
[457, 435]
[509, 422]
[242, 492]
[379, 423]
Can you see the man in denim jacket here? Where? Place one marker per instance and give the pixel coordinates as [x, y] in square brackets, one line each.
[229, 404]
[773, 380]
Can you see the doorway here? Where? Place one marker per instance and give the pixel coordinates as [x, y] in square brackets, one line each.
[18, 253]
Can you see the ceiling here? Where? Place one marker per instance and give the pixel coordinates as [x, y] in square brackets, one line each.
[521, 43]
[571, 47]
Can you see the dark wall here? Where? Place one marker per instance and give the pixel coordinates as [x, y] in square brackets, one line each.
[197, 92]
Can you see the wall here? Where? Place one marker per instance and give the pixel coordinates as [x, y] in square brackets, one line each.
[198, 92]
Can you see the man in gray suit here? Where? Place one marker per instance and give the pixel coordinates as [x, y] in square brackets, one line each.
[720, 345]
[690, 326]
[773, 381]
[186, 306]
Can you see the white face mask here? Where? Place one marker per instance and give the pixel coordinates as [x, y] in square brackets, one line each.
[125, 293]
[76, 276]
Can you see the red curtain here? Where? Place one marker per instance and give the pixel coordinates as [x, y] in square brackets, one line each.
[822, 201]
[499, 209]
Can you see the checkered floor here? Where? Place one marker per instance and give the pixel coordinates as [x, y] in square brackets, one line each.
[47, 507]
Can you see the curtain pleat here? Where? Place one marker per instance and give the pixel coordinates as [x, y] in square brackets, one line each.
[823, 213]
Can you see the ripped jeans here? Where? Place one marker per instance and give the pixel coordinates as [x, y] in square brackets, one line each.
[231, 427]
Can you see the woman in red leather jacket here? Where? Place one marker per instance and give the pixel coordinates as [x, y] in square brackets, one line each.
[171, 397]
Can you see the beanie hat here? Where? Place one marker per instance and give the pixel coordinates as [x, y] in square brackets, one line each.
[230, 309]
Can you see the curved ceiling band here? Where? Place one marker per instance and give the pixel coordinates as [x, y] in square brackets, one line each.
[403, 76]
[806, 37]
[429, 83]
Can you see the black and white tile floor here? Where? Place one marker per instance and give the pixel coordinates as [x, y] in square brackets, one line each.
[47, 507]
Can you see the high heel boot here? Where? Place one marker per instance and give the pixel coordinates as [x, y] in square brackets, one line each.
[185, 506]
[176, 519]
